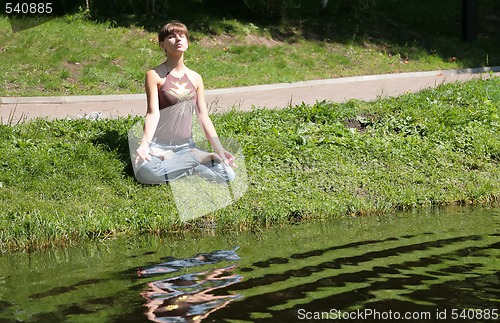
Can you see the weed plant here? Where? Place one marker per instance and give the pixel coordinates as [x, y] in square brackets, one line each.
[66, 181]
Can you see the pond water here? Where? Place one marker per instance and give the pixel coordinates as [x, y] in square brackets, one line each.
[427, 265]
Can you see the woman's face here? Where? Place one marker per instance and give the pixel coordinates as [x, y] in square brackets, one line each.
[175, 43]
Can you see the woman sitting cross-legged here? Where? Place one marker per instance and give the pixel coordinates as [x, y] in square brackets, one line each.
[174, 93]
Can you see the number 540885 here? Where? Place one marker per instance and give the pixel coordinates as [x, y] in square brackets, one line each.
[28, 8]
[475, 314]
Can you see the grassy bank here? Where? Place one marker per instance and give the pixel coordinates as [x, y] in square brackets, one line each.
[71, 180]
[77, 55]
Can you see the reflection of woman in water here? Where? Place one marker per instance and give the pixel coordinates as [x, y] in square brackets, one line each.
[167, 150]
[189, 298]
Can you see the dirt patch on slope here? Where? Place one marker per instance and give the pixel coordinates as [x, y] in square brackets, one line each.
[225, 40]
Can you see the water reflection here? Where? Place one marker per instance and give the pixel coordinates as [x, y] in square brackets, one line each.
[199, 260]
[189, 297]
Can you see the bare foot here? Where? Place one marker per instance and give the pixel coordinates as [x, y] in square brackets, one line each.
[205, 156]
[162, 154]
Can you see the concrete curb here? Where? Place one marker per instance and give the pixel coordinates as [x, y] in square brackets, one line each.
[246, 89]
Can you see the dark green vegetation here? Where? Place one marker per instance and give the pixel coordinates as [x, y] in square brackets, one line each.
[108, 50]
[71, 180]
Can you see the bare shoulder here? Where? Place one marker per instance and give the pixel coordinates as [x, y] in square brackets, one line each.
[195, 78]
[153, 74]
[157, 74]
[153, 81]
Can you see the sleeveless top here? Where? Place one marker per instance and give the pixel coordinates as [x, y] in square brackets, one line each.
[177, 101]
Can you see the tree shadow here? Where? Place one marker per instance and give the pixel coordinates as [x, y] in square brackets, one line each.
[198, 15]
[407, 28]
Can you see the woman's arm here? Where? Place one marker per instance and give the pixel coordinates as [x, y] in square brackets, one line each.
[152, 116]
[206, 123]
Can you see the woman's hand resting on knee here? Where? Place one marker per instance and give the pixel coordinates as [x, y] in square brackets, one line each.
[142, 154]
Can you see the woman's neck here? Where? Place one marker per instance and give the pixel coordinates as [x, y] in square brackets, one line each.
[176, 65]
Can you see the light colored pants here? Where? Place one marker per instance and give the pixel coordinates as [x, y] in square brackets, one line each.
[184, 162]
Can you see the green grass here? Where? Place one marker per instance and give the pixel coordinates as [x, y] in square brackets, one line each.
[68, 181]
[77, 55]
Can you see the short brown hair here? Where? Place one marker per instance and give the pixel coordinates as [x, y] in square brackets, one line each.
[173, 27]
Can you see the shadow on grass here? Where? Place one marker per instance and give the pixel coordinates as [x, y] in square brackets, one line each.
[405, 28]
[116, 141]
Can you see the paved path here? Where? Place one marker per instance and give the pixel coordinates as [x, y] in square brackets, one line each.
[365, 88]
